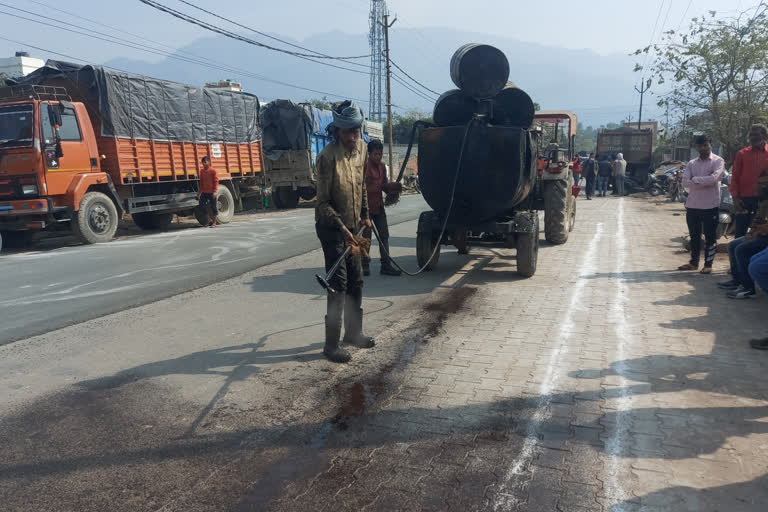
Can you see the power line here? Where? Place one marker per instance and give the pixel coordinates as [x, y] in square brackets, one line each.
[653, 32]
[682, 19]
[169, 55]
[317, 54]
[413, 79]
[232, 35]
[410, 88]
[23, 44]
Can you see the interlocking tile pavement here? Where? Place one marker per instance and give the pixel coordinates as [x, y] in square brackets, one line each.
[607, 382]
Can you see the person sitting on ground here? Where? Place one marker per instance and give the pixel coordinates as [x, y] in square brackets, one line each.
[209, 184]
[375, 181]
[758, 270]
[740, 252]
[702, 177]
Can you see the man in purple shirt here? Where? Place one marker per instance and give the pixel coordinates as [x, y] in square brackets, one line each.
[702, 178]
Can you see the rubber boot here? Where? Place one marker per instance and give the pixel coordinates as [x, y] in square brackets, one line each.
[332, 351]
[353, 321]
[386, 263]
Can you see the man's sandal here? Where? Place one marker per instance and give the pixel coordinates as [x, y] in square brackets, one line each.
[706, 270]
[688, 266]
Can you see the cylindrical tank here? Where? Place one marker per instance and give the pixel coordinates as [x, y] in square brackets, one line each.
[480, 70]
[513, 107]
[497, 172]
[453, 108]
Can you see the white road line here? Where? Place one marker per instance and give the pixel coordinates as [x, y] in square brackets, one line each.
[615, 445]
[506, 501]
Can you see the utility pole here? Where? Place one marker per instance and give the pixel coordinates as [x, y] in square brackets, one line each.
[642, 90]
[387, 25]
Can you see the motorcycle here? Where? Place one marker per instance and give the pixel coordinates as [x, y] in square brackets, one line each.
[633, 185]
[676, 190]
[412, 181]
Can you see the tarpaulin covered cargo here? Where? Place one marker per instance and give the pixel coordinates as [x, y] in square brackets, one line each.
[139, 107]
[288, 126]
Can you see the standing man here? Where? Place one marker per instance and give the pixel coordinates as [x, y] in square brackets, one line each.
[342, 207]
[576, 170]
[375, 180]
[604, 172]
[590, 174]
[619, 171]
[750, 163]
[702, 178]
[209, 185]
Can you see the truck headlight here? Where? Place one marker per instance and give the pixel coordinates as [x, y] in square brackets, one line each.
[29, 190]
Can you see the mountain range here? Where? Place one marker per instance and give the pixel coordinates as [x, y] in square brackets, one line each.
[598, 88]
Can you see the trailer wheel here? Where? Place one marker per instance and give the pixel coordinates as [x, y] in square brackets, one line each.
[149, 221]
[225, 203]
[572, 214]
[426, 240]
[286, 198]
[556, 211]
[96, 220]
[528, 250]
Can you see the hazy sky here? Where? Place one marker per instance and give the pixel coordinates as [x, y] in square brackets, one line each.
[606, 26]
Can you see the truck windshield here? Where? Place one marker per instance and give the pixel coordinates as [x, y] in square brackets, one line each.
[16, 126]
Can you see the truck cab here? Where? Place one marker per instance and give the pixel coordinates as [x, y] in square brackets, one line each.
[48, 161]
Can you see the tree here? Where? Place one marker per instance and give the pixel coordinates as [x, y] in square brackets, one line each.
[322, 104]
[402, 125]
[719, 68]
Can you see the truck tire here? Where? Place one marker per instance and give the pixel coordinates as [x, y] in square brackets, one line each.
[286, 198]
[307, 193]
[572, 214]
[528, 251]
[225, 203]
[426, 240]
[556, 211]
[96, 220]
[149, 220]
[16, 239]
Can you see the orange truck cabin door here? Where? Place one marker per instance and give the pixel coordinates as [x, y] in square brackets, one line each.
[75, 159]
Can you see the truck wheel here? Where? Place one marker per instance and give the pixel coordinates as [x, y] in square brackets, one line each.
[96, 220]
[149, 220]
[426, 240]
[16, 239]
[528, 250]
[572, 214]
[225, 203]
[286, 198]
[556, 211]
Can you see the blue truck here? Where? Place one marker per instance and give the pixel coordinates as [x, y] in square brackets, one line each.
[293, 135]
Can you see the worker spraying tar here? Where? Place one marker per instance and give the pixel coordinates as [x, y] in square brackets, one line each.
[342, 208]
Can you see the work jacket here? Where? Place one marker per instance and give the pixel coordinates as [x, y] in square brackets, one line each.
[341, 195]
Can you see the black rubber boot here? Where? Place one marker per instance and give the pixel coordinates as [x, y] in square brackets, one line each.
[387, 268]
[332, 351]
[353, 322]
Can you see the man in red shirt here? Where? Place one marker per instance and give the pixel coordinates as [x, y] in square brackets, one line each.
[751, 162]
[375, 179]
[209, 184]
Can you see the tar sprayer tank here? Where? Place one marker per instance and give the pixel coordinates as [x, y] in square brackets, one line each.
[495, 152]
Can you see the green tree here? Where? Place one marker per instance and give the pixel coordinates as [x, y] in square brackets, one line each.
[402, 125]
[717, 67]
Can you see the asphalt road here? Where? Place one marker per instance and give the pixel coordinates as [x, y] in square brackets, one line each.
[47, 290]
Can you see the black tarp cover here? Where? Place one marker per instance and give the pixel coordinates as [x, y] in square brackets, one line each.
[138, 107]
[285, 126]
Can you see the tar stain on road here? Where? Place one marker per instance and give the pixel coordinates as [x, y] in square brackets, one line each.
[442, 308]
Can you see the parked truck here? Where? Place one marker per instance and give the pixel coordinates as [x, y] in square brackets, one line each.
[81, 145]
[293, 136]
[636, 146]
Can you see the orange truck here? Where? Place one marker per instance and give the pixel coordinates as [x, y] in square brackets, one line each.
[81, 145]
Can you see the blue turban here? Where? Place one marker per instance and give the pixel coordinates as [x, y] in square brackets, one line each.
[347, 115]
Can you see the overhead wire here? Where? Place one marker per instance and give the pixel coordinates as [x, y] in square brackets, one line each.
[413, 79]
[319, 54]
[653, 32]
[163, 53]
[218, 30]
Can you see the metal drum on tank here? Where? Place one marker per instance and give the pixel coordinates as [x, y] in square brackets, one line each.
[480, 70]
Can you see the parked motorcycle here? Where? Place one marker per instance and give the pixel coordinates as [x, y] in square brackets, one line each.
[633, 185]
[412, 181]
[676, 190]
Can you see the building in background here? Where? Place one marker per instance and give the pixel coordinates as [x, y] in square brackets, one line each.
[20, 64]
[227, 85]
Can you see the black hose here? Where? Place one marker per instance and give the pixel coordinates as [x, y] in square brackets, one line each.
[416, 124]
[447, 214]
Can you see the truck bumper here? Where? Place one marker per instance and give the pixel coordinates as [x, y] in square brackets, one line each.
[23, 214]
